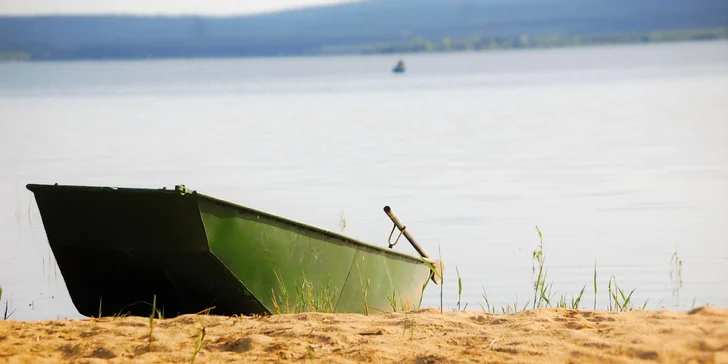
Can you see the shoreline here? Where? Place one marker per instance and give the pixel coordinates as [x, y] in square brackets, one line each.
[364, 52]
[420, 336]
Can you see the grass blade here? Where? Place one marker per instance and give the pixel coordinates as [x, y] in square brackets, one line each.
[595, 285]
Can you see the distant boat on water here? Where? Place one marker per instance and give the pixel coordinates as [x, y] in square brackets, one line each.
[399, 68]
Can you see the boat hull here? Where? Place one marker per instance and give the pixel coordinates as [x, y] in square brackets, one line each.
[117, 248]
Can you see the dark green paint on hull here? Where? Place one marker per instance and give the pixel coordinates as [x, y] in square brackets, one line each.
[195, 252]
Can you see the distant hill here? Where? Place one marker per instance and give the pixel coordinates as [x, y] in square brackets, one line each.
[353, 26]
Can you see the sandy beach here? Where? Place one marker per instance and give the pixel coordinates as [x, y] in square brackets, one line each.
[422, 336]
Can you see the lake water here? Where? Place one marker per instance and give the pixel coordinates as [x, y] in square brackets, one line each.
[618, 154]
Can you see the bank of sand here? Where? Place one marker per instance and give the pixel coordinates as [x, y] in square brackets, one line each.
[423, 336]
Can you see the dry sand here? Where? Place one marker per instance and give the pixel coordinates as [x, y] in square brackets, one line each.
[423, 336]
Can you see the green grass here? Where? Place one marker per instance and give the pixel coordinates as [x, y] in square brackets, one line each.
[7, 312]
[309, 353]
[364, 289]
[595, 285]
[439, 275]
[460, 290]
[619, 299]
[199, 344]
[399, 303]
[487, 307]
[574, 304]
[435, 272]
[305, 298]
[409, 323]
[393, 300]
[151, 321]
[541, 290]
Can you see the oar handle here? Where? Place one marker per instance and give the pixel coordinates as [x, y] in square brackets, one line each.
[405, 232]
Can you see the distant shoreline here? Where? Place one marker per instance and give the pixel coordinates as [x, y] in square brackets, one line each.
[540, 42]
[423, 46]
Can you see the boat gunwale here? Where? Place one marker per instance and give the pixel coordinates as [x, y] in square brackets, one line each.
[33, 187]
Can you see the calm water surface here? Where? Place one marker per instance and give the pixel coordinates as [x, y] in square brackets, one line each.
[618, 154]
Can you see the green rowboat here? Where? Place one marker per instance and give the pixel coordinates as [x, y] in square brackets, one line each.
[120, 249]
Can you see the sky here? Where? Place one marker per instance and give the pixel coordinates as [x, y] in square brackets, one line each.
[167, 7]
